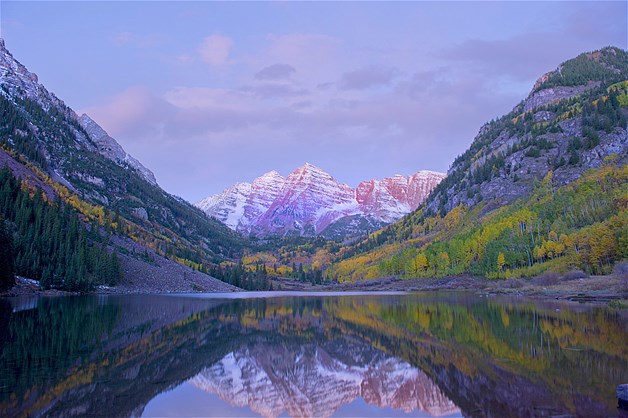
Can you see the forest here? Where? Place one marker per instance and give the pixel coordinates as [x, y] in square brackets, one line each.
[583, 226]
[45, 239]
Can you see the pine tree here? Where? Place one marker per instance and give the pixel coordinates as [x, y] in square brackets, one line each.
[7, 279]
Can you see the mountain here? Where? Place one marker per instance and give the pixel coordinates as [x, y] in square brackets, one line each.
[311, 202]
[560, 127]
[71, 163]
[541, 188]
[108, 147]
[316, 381]
[242, 204]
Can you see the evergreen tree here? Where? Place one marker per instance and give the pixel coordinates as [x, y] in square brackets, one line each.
[49, 242]
[7, 279]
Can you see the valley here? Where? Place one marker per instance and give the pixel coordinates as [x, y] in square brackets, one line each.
[313, 209]
[541, 189]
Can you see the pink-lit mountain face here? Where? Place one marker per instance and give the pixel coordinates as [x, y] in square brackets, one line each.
[309, 381]
[311, 202]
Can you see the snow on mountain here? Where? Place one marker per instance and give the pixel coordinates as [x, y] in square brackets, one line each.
[17, 81]
[391, 198]
[311, 381]
[310, 201]
[241, 205]
[228, 206]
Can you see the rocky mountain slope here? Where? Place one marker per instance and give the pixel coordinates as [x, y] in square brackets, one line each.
[311, 202]
[72, 159]
[17, 81]
[560, 127]
[541, 188]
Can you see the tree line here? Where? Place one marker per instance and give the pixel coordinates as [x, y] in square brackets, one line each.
[44, 239]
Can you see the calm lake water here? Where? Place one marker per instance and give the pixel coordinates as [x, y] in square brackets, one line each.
[317, 355]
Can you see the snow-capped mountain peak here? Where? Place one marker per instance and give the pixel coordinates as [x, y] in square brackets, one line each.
[310, 201]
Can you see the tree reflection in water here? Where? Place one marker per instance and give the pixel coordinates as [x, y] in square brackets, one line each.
[309, 356]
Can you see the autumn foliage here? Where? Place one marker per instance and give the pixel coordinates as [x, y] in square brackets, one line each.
[583, 225]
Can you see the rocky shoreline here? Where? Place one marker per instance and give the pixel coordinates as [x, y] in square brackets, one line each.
[595, 289]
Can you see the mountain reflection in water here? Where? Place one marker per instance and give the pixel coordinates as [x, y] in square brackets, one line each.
[425, 354]
[311, 380]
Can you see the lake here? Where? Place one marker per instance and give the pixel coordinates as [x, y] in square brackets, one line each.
[421, 354]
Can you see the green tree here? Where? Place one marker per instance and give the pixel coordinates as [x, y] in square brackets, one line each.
[7, 279]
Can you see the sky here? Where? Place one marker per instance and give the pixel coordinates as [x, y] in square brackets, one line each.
[207, 94]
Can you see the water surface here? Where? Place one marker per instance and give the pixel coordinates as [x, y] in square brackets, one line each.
[423, 354]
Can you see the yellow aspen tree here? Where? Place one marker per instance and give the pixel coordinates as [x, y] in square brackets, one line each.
[501, 261]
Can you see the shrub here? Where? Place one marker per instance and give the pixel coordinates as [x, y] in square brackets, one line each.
[574, 275]
[513, 284]
[548, 278]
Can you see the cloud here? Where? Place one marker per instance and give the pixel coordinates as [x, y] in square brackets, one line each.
[205, 98]
[404, 127]
[132, 111]
[275, 72]
[526, 56]
[304, 103]
[274, 90]
[215, 49]
[313, 56]
[366, 78]
[498, 57]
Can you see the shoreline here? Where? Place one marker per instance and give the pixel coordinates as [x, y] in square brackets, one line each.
[594, 289]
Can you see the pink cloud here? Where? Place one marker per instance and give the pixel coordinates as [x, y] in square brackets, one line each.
[125, 112]
[206, 98]
[215, 49]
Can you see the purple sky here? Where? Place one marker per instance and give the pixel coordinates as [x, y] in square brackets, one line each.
[206, 94]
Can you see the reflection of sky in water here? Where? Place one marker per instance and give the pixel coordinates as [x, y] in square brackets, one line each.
[359, 408]
[190, 401]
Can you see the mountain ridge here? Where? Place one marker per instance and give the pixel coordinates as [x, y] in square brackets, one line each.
[72, 165]
[19, 81]
[309, 201]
